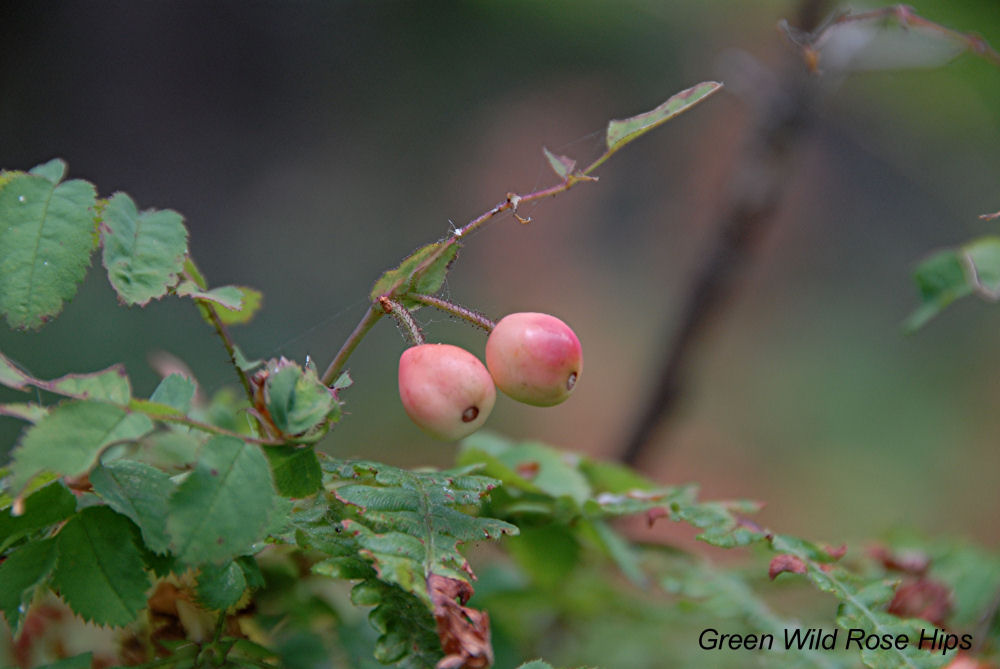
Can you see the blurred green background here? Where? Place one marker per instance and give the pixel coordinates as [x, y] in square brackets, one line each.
[310, 145]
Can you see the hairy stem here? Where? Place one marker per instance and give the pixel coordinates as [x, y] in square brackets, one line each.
[366, 323]
[474, 317]
[404, 318]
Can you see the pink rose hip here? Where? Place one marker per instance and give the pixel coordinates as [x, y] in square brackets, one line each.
[534, 358]
[445, 390]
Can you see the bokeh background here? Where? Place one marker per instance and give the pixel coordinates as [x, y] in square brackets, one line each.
[310, 145]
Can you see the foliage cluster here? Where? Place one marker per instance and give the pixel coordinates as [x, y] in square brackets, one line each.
[212, 532]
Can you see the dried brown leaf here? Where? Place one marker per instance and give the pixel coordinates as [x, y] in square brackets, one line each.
[923, 598]
[785, 562]
[464, 631]
[909, 562]
[655, 514]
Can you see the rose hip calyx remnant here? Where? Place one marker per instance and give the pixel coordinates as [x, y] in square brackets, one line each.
[445, 390]
[534, 358]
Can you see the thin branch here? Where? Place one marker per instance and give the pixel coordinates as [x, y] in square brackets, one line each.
[372, 314]
[181, 419]
[227, 341]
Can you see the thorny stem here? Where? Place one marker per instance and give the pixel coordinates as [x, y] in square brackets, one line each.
[372, 314]
[404, 318]
[474, 317]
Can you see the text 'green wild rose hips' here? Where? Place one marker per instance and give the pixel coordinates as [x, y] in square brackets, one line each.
[534, 358]
[445, 390]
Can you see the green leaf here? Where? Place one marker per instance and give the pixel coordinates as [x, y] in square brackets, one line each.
[983, 256]
[973, 574]
[99, 570]
[251, 572]
[229, 297]
[621, 132]
[221, 586]
[423, 271]
[44, 507]
[535, 664]
[542, 483]
[407, 524]
[71, 437]
[520, 466]
[223, 506]
[941, 280]
[194, 274]
[296, 470]
[554, 473]
[250, 303]
[111, 385]
[561, 165]
[172, 449]
[723, 594]
[343, 381]
[955, 273]
[613, 477]
[407, 633]
[242, 362]
[558, 545]
[619, 550]
[20, 574]
[26, 411]
[54, 170]
[84, 661]
[154, 410]
[11, 375]
[139, 492]
[143, 252]
[862, 607]
[297, 400]
[175, 391]
[46, 236]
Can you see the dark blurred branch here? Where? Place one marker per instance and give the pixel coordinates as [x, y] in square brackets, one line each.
[757, 186]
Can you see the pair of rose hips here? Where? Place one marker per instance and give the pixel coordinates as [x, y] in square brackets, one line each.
[533, 358]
